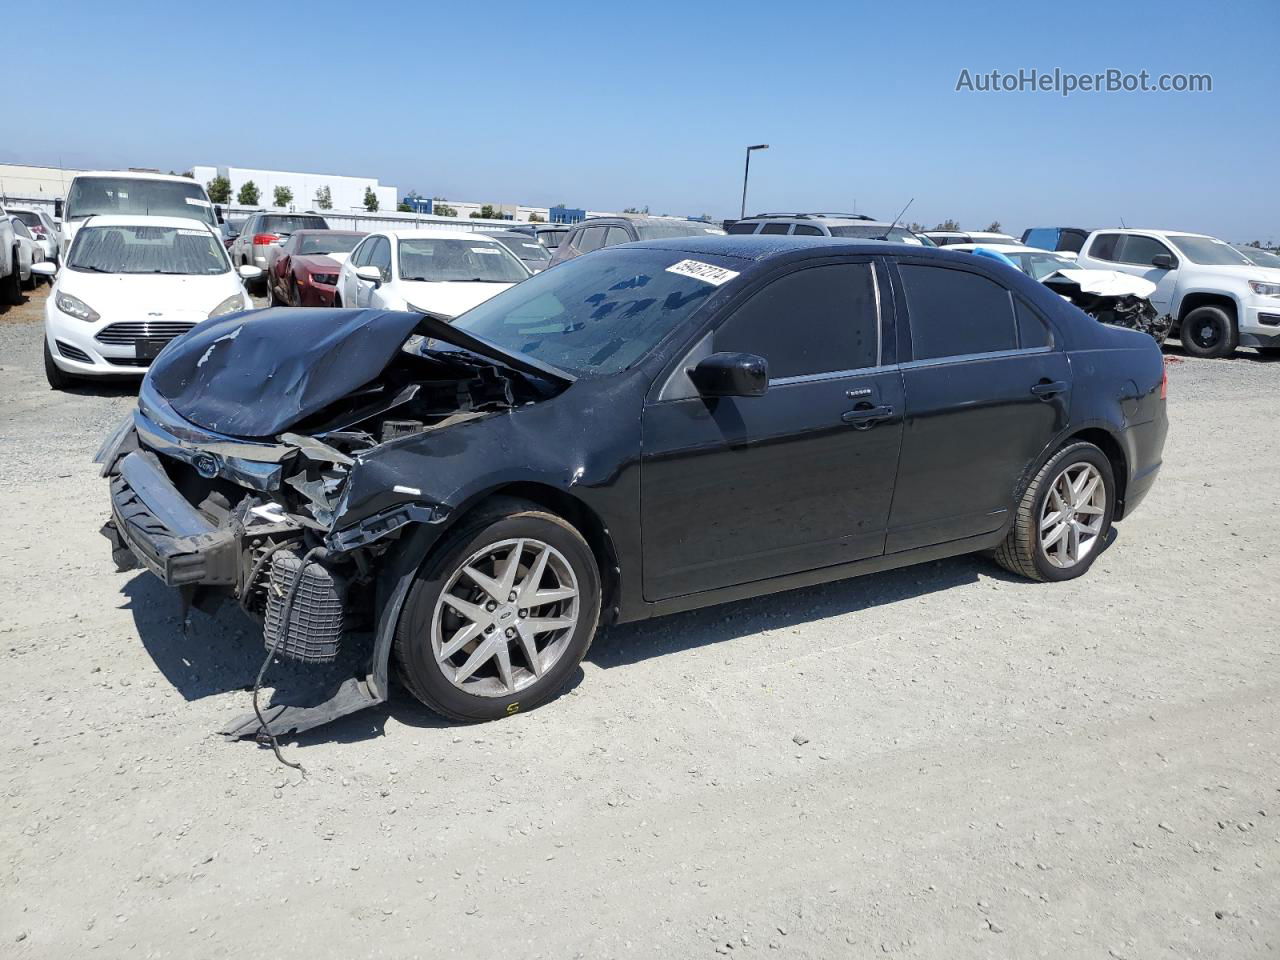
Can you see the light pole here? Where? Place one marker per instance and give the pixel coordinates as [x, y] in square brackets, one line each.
[745, 172]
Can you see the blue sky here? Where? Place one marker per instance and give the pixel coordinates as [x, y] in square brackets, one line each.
[605, 105]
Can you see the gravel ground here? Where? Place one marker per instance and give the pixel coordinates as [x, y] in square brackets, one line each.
[935, 762]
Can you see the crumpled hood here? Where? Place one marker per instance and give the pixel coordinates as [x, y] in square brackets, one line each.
[254, 374]
[1106, 283]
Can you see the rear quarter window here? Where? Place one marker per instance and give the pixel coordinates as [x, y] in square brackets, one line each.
[955, 313]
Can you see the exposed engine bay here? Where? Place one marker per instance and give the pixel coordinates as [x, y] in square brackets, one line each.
[1114, 298]
[290, 515]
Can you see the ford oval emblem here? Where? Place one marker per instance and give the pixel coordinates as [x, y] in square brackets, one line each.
[206, 465]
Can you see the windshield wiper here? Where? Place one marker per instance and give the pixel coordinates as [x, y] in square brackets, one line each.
[92, 268]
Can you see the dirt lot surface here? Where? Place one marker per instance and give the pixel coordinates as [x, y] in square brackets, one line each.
[935, 762]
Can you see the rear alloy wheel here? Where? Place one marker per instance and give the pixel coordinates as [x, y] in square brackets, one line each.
[1063, 518]
[500, 616]
[1208, 332]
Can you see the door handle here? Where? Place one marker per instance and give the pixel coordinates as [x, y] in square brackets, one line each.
[1048, 388]
[865, 416]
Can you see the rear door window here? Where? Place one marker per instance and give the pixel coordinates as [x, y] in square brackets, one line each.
[1032, 331]
[617, 235]
[589, 238]
[1104, 246]
[742, 228]
[816, 320]
[775, 228]
[804, 230]
[955, 313]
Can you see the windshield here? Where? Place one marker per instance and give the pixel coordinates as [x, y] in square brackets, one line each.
[658, 229]
[897, 234]
[526, 248]
[596, 314]
[1208, 251]
[1039, 265]
[329, 242]
[444, 261]
[1260, 258]
[91, 196]
[132, 249]
[551, 238]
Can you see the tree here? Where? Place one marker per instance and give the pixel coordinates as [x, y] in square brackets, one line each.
[284, 196]
[948, 224]
[993, 227]
[324, 198]
[248, 195]
[488, 212]
[403, 207]
[535, 218]
[915, 227]
[219, 190]
[370, 200]
[442, 209]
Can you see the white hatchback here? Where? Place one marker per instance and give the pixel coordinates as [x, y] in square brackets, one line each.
[129, 285]
[440, 272]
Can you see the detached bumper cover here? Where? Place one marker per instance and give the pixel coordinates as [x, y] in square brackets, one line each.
[166, 534]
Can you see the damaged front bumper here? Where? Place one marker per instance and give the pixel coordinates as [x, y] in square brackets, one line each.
[250, 551]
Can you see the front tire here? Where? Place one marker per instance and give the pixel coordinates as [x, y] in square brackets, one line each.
[57, 377]
[11, 286]
[1209, 332]
[500, 615]
[1063, 517]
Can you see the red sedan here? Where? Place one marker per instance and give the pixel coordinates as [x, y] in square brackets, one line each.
[305, 272]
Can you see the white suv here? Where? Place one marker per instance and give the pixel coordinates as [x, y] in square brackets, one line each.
[1218, 298]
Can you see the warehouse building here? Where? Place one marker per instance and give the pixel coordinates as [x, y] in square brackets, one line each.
[345, 193]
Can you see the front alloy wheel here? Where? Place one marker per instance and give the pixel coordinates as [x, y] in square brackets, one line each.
[505, 617]
[500, 614]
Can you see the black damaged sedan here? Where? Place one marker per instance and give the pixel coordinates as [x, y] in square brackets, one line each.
[650, 428]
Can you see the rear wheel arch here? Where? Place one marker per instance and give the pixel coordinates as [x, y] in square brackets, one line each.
[1107, 442]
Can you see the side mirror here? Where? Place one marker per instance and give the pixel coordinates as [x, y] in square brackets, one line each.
[249, 272]
[370, 273]
[44, 268]
[1164, 261]
[57, 209]
[731, 375]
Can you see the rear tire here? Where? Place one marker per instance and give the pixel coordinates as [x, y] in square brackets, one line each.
[486, 541]
[57, 377]
[271, 294]
[11, 286]
[1209, 332]
[1047, 509]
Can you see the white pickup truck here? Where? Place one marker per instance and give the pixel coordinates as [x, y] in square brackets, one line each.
[1218, 298]
[10, 262]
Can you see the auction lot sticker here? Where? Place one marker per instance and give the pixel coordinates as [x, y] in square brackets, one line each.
[706, 272]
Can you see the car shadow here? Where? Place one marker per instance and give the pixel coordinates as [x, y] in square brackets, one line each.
[210, 654]
[1174, 349]
[106, 386]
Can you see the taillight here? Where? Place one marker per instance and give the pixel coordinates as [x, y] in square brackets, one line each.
[264, 239]
[1164, 383]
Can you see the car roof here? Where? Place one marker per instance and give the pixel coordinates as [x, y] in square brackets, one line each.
[1154, 231]
[759, 246]
[1002, 247]
[439, 233]
[328, 233]
[138, 175]
[141, 220]
[826, 220]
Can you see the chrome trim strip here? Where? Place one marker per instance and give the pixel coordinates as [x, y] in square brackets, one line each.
[833, 375]
[875, 286]
[965, 357]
